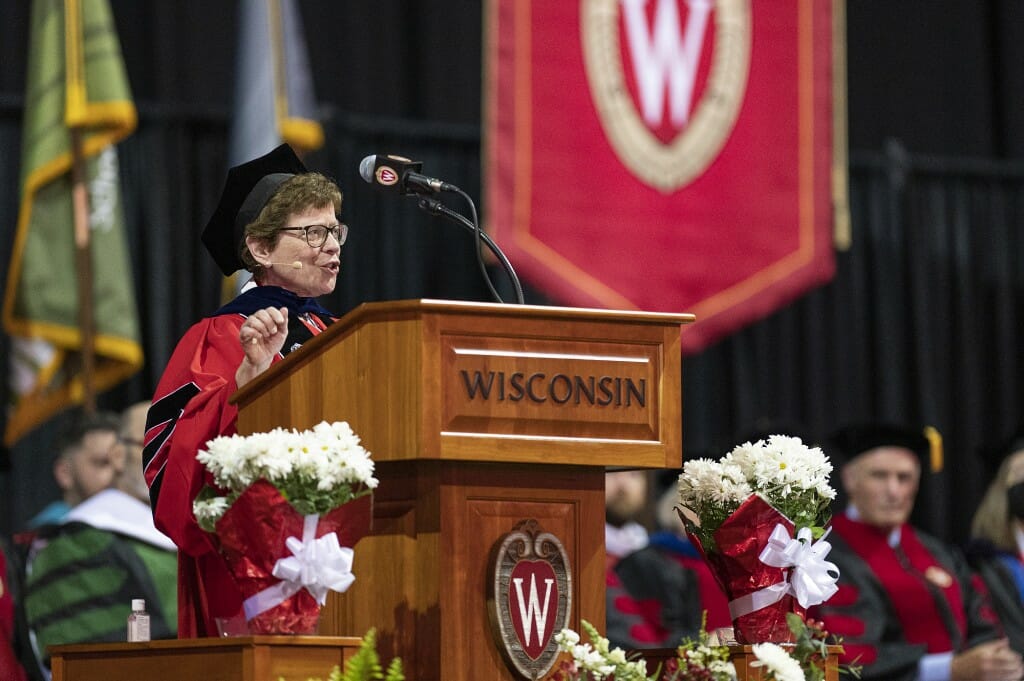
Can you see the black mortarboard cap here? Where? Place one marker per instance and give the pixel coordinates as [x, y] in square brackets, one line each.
[851, 441]
[246, 191]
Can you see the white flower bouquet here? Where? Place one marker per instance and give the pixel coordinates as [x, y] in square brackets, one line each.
[281, 508]
[596, 660]
[755, 514]
[700, 659]
[315, 470]
[782, 470]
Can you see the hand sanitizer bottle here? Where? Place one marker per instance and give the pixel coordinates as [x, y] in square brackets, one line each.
[138, 621]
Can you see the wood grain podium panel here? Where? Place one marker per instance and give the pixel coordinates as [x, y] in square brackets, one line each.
[421, 575]
[484, 507]
[244, 658]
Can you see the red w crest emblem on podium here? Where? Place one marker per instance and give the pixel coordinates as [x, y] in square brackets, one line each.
[529, 597]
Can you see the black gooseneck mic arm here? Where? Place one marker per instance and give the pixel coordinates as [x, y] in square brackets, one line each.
[435, 207]
[400, 174]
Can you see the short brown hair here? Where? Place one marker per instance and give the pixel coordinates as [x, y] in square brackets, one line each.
[296, 194]
[80, 424]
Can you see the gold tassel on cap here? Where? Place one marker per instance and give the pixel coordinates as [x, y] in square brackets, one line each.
[935, 448]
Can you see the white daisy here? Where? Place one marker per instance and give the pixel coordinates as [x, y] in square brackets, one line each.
[777, 661]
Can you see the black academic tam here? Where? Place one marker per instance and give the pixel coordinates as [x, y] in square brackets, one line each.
[247, 189]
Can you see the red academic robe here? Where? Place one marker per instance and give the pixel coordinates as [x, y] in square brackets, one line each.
[10, 668]
[657, 596]
[190, 407]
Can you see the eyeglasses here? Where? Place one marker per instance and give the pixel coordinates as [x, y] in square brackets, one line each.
[316, 235]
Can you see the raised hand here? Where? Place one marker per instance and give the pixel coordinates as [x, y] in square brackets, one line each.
[262, 336]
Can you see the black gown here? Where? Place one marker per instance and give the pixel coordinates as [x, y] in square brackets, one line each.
[1003, 576]
[897, 604]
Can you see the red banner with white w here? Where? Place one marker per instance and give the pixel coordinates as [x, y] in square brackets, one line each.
[663, 155]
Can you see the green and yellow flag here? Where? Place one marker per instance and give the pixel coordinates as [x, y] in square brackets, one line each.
[76, 79]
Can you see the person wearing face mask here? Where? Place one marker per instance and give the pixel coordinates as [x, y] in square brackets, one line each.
[907, 607]
[280, 222]
[996, 550]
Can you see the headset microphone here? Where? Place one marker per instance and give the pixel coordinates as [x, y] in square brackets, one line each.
[295, 264]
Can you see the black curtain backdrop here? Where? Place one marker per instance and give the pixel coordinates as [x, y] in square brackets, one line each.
[919, 325]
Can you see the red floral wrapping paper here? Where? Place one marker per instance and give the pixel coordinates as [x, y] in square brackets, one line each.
[740, 572]
[252, 535]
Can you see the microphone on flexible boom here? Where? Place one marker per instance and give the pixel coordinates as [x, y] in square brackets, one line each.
[402, 175]
[295, 264]
[397, 173]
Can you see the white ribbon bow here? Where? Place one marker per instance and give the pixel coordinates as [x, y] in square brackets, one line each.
[317, 564]
[812, 579]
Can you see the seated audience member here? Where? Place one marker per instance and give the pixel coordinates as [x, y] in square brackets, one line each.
[996, 550]
[10, 667]
[86, 463]
[667, 583]
[625, 508]
[132, 480]
[906, 608]
[83, 574]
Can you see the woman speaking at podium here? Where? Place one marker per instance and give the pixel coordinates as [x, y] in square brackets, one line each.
[279, 222]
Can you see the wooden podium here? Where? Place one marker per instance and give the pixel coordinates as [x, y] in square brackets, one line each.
[478, 416]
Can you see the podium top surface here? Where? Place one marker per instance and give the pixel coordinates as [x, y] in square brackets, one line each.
[209, 642]
[508, 309]
[235, 658]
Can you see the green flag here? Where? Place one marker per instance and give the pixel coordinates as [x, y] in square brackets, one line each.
[76, 79]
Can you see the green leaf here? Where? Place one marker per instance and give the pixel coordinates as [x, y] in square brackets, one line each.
[365, 664]
[394, 672]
